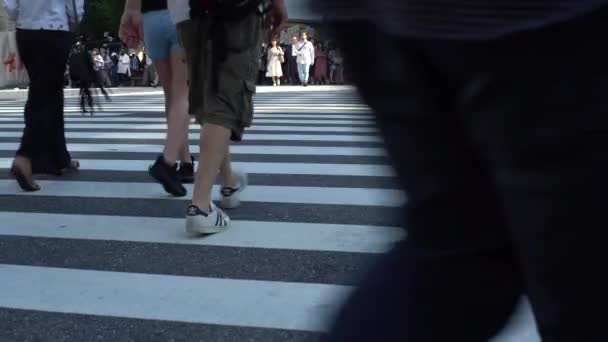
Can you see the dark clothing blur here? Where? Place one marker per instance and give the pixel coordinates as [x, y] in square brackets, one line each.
[502, 147]
[292, 66]
[460, 19]
[44, 54]
[153, 5]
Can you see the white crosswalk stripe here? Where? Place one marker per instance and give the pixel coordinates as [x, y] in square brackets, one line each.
[322, 203]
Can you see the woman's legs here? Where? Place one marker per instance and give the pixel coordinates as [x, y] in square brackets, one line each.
[43, 141]
[172, 74]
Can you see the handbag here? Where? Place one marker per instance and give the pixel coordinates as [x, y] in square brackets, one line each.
[281, 56]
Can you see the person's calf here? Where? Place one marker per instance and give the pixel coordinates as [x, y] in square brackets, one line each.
[213, 148]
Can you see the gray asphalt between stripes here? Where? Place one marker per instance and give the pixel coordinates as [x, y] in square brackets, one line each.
[254, 179]
[317, 267]
[261, 158]
[27, 325]
[250, 211]
[248, 142]
[195, 130]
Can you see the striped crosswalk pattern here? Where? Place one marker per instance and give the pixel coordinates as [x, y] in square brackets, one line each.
[102, 255]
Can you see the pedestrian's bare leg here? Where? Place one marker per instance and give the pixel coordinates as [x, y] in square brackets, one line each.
[213, 150]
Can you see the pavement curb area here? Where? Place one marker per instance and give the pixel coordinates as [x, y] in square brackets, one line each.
[21, 94]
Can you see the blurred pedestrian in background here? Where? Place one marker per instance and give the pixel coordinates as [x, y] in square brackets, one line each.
[292, 64]
[276, 56]
[124, 68]
[305, 57]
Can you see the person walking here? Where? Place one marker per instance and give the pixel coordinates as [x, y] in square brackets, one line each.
[305, 54]
[222, 66]
[107, 69]
[292, 64]
[43, 42]
[153, 19]
[276, 56]
[124, 68]
[99, 65]
[336, 66]
[114, 69]
[495, 116]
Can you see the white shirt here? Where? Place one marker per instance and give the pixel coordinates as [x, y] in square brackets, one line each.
[124, 64]
[53, 15]
[180, 10]
[99, 62]
[305, 53]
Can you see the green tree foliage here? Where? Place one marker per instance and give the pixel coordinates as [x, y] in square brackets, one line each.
[101, 16]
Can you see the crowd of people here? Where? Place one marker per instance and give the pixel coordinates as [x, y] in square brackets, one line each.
[302, 62]
[115, 67]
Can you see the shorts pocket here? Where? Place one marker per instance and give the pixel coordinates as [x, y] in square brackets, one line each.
[248, 95]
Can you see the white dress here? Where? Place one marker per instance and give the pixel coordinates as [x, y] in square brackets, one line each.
[274, 64]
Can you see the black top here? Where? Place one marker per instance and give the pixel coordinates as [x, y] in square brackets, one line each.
[153, 5]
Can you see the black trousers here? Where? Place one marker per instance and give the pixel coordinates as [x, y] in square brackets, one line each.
[292, 70]
[44, 54]
[502, 147]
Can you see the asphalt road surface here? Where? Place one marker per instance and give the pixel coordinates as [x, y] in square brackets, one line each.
[102, 255]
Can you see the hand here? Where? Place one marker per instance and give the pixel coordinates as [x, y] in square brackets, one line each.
[277, 17]
[131, 30]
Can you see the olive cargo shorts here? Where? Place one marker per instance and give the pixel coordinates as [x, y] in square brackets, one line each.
[229, 102]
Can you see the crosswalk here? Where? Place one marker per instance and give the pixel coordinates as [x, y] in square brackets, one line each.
[102, 255]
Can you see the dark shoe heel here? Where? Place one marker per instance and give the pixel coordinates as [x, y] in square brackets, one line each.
[186, 172]
[168, 177]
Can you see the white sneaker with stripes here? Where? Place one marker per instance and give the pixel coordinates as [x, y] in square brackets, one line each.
[231, 196]
[200, 222]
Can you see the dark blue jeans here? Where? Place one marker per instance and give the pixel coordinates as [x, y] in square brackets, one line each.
[502, 147]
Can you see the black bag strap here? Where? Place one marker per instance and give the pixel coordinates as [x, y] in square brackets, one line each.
[303, 45]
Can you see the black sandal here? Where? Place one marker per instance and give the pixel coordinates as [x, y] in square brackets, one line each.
[25, 183]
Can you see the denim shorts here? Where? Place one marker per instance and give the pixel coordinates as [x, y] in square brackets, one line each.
[160, 35]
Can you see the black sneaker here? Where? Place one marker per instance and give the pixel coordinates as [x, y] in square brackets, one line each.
[186, 172]
[167, 176]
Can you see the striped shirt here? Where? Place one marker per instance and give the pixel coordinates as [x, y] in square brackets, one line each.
[460, 19]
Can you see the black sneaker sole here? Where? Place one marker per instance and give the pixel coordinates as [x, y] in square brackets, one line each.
[187, 180]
